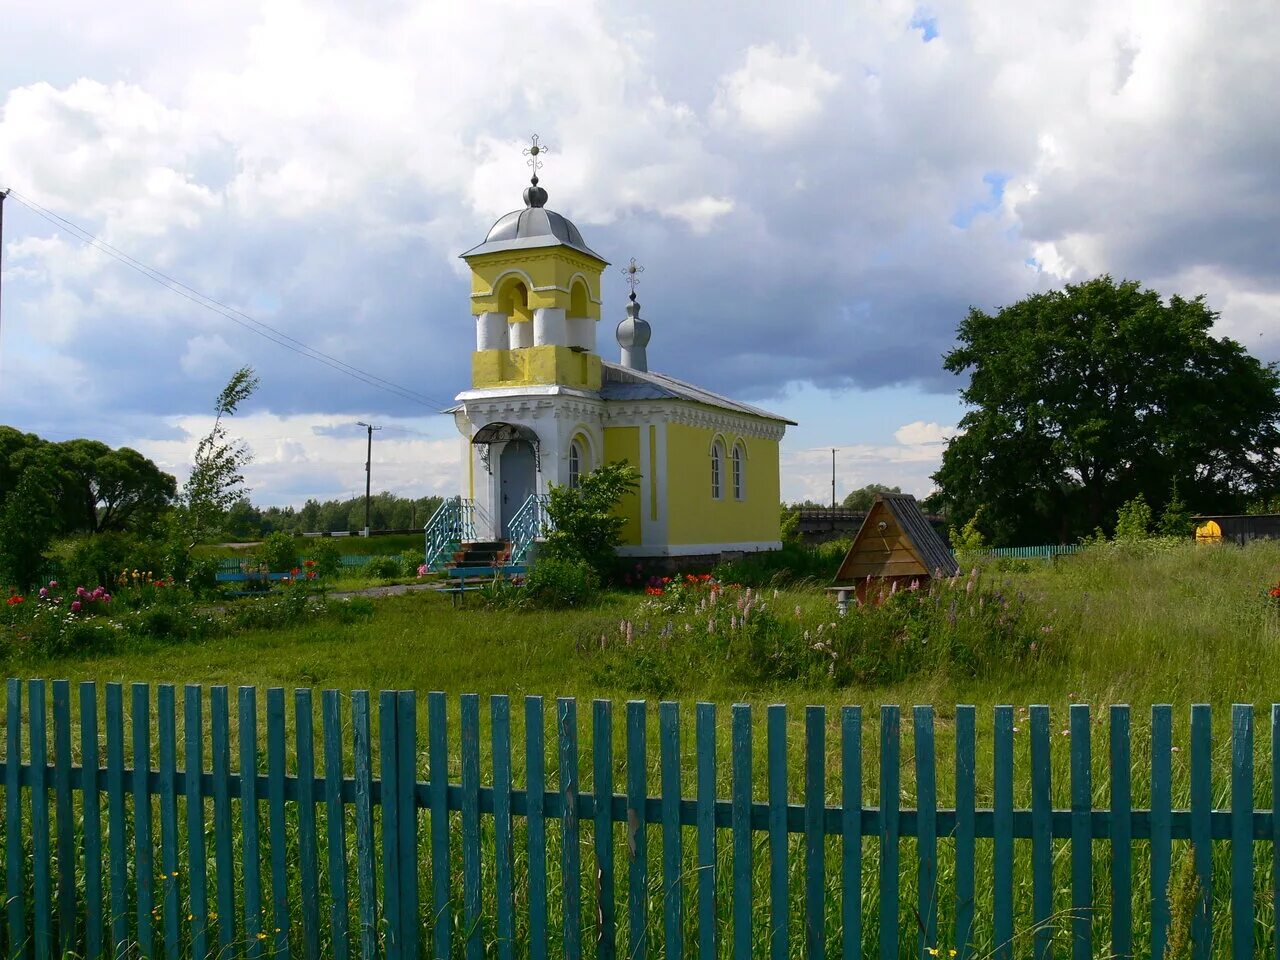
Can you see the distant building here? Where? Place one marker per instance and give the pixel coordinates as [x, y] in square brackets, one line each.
[544, 407]
[1239, 528]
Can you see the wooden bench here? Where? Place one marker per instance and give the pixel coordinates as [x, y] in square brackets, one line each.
[462, 579]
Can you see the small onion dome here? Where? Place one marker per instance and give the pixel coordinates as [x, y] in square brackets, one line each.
[633, 336]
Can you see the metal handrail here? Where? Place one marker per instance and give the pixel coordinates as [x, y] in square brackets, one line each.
[530, 524]
[450, 526]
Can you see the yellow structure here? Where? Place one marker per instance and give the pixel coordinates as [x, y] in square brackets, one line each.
[544, 407]
[1209, 532]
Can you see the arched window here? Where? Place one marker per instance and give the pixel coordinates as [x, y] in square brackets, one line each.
[717, 470]
[739, 459]
[576, 459]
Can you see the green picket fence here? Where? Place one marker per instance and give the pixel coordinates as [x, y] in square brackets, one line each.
[1043, 552]
[204, 860]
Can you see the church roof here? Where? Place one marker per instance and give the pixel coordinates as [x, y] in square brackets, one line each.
[534, 226]
[625, 383]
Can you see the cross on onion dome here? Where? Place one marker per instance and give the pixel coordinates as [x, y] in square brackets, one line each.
[533, 152]
[632, 273]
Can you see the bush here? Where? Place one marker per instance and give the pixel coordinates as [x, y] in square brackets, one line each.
[327, 557]
[794, 563]
[585, 523]
[102, 560]
[278, 553]
[555, 583]
[384, 568]
[410, 561]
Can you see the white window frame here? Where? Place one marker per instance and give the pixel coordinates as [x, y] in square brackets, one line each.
[577, 456]
[717, 469]
[738, 463]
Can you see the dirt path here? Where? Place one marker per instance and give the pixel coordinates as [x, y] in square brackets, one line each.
[392, 590]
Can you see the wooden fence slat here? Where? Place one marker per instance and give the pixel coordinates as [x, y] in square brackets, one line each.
[672, 849]
[366, 879]
[1201, 838]
[966, 774]
[1121, 836]
[193, 767]
[277, 825]
[116, 843]
[1161, 832]
[815, 803]
[388, 756]
[740, 760]
[93, 932]
[535, 765]
[1002, 841]
[850, 831]
[144, 866]
[926, 831]
[1242, 831]
[776, 753]
[602, 787]
[406, 788]
[637, 832]
[438, 770]
[500, 730]
[41, 886]
[1041, 836]
[705, 749]
[890, 750]
[499, 727]
[14, 854]
[250, 831]
[1275, 821]
[167, 727]
[64, 817]
[336, 825]
[471, 916]
[1081, 834]
[223, 857]
[308, 852]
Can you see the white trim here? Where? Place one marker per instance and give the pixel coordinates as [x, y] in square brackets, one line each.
[697, 549]
[533, 390]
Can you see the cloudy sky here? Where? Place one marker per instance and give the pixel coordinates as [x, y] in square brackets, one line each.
[818, 193]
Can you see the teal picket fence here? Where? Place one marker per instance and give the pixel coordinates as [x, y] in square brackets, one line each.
[173, 848]
[1043, 552]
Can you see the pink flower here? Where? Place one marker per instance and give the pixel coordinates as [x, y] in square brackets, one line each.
[75, 606]
[81, 592]
[44, 593]
[53, 584]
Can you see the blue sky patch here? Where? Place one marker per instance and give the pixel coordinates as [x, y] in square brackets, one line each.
[995, 182]
[926, 23]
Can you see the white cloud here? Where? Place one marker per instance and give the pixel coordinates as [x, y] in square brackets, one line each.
[701, 213]
[919, 433]
[774, 93]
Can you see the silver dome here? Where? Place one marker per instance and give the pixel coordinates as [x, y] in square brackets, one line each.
[534, 226]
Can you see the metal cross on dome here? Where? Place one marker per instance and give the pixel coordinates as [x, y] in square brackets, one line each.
[533, 152]
[632, 273]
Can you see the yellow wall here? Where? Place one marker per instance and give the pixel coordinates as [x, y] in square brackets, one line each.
[694, 516]
[552, 268]
[530, 365]
[623, 443]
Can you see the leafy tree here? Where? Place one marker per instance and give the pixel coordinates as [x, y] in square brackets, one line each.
[1082, 398]
[104, 489]
[28, 521]
[1133, 521]
[864, 497]
[217, 478]
[586, 523]
[1176, 519]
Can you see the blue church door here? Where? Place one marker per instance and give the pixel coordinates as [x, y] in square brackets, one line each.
[517, 472]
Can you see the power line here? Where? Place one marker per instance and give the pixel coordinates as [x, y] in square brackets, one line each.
[239, 317]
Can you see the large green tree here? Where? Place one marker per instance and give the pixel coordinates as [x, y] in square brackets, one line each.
[864, 497]
[1082, 398]
[104, 489]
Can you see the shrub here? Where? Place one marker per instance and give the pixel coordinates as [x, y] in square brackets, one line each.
[102, 559]
[585, 522]
[278, 552]
[327, 557]
[794, 563]
[203, 576]
[352, 609]
[558, 582]
[967, 542]
[384, 568]
[410, 561]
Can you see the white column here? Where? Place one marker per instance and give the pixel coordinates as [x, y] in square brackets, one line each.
[549, 327]
[582, 333]
[520, 334]
[491, 331]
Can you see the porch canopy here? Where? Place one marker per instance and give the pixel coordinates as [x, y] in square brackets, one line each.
[499, 432]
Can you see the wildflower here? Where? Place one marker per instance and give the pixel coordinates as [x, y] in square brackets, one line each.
[797, 611]
[711, 626]
[15, 600]
[75, 606]
[44, 593]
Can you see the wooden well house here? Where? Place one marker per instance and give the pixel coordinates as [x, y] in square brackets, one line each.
[895, 545]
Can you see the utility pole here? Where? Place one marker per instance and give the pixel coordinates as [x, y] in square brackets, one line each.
[833, 478]
[3, 194]
[368, 470]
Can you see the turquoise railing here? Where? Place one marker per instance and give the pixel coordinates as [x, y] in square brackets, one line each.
[453, 523]
[1044, 552]
[529, 525]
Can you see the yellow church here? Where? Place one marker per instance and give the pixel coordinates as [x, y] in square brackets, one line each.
[545, 407]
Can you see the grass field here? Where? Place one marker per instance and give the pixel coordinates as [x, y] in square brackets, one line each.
[1168, 625]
